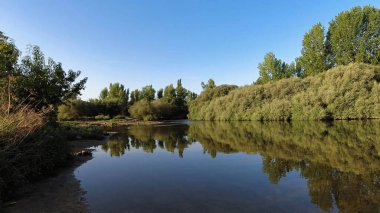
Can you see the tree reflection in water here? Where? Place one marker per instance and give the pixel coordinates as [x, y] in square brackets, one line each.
[340, 160]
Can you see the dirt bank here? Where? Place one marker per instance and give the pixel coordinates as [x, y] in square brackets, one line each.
[59, 193]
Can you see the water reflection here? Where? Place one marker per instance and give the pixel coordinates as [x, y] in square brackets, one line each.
[340, 161]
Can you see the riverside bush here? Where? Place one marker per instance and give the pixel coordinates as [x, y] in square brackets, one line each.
[344, 92]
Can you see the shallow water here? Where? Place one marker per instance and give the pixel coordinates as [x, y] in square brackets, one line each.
[237, 167]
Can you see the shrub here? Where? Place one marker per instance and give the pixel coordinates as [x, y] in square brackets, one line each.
[156, 110]
[344, 92]
[141, 110]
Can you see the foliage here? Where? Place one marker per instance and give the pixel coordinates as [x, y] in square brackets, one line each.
[273, 69]
[142, 110]
[210, 84]
[155, 110]
[344, 92]
[148, 92]
[8, 68]
[115, 98]
[160, 93]
[313, 59]
[181, 92]
[135, 96]
[355, 36]
[205, 98]
[171, 103]
[169, 93]
[42, 84]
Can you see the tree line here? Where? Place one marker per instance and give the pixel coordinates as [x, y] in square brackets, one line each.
[352, 37]
[304, 89]
[117, 102]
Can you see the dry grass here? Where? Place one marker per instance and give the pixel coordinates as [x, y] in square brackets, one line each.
[29, 148]
[17, 126]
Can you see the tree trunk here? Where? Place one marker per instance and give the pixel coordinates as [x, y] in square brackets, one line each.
[9, 94]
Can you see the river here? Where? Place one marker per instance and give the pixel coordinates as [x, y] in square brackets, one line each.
[237, 167]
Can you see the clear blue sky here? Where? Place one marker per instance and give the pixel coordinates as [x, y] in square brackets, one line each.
[140, 42]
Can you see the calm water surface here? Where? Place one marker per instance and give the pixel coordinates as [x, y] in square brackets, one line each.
[237, 167]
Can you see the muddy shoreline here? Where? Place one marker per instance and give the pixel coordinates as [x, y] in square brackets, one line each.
[60, 192]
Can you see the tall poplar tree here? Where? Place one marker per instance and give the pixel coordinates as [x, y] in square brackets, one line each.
[313, 59]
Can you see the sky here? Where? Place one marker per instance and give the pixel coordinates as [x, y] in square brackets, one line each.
[143, 42]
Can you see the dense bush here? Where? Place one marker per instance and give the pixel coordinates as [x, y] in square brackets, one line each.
[76, 109]
[344, 92]
[154, 110]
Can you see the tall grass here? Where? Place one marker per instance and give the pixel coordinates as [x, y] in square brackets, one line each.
[29, 148]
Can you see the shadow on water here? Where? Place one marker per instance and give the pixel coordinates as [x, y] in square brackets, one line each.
[340, 160]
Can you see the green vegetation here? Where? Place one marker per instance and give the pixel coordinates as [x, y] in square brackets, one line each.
[344, 92]
[32, 144]
[304, 90]
[29, 148]
[118, 102]
[337, 76]
[352, 37]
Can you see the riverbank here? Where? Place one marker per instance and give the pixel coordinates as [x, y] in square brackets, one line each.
[60, 192]
[110, 123]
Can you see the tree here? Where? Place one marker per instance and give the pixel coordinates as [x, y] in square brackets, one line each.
[169, 93]
[354, 36]
[313, 59]
[135, 96]
[160, 93]
[191, 96]
[210, 84]
[44, 84]
[148, 92]
[103, 94]
[8, 61]
[142, 110]
[116, 96]
[180, 94]
[271, 69]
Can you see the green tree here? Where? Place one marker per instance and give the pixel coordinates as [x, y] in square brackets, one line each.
[355, 36]
[135, 96]
[191, 96]
[142, 110]
[271, 69]
[44, 84]
[8, 61]
[103, 94]
[160, 93]
[148, 92]
[181, 93]
[313, 59]
[169, 93]
[210, 84]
